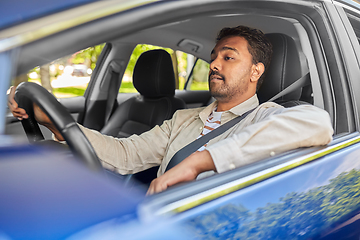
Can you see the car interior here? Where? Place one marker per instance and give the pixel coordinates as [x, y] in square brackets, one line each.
[104, 109]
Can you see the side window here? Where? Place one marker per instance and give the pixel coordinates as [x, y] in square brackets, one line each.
[354, 19]
[198, 80]
[65, 77]
[193, 77]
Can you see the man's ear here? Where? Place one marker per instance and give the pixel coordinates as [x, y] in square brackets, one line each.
[257, 70]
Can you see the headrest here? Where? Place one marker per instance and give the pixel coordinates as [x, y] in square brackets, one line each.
[153, 74]
[285, 68]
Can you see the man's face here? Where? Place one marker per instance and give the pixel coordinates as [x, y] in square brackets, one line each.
[230, 69]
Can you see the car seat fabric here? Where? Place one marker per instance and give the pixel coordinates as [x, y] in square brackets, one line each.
[288, 64]
[154, 79]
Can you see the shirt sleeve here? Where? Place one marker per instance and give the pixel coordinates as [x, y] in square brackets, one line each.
[279, 130]
[132, 154]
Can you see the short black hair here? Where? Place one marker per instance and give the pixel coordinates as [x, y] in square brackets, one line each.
[259, 46]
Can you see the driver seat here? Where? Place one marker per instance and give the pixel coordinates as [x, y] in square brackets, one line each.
[288, 64]
[154, 79]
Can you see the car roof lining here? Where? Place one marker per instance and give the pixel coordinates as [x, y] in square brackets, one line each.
[166, 32]
[172, 34]
[118, 25]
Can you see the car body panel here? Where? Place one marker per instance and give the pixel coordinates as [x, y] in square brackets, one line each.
[22, 11]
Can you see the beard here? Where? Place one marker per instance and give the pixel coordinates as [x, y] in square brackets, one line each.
[223, 91]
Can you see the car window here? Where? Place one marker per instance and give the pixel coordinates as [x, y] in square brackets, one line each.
[188, 71]
[198, 78]
[354, 20]
[67, 76]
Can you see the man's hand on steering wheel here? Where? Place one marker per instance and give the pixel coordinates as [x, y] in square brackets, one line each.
[17, 112]
[44, 120]
[50, 113]
[40, 116]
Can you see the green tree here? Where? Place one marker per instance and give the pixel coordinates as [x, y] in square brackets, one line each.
[88, 56]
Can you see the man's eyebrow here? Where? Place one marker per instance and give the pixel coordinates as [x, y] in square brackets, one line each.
[230, 48]
[226, 48]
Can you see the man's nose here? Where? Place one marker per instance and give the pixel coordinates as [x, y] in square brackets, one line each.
[215, 64]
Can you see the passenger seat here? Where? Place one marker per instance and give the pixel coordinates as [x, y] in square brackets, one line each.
[154, 79]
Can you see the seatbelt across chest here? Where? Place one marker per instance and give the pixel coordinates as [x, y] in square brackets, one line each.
[195, 145]
[301, 82]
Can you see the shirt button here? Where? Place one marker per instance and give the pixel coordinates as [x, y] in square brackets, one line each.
[272, 153]
[200, 128]
[232, 166]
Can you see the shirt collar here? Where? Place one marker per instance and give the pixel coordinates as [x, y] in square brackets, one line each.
[204, 114]
[243, 107]
[238, 110]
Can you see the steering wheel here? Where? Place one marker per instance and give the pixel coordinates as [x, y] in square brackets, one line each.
[28, 93]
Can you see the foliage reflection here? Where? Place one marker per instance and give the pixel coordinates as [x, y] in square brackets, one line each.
[295, 216]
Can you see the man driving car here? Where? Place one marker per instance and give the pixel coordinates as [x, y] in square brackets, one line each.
[238, 62]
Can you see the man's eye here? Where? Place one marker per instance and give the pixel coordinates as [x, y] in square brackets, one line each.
[228, 58]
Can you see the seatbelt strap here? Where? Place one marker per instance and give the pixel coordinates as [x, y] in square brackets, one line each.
[112, 94]
[301, 82]
[195, 145]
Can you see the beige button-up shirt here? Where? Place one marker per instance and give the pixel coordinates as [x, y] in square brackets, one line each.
[270, 129]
